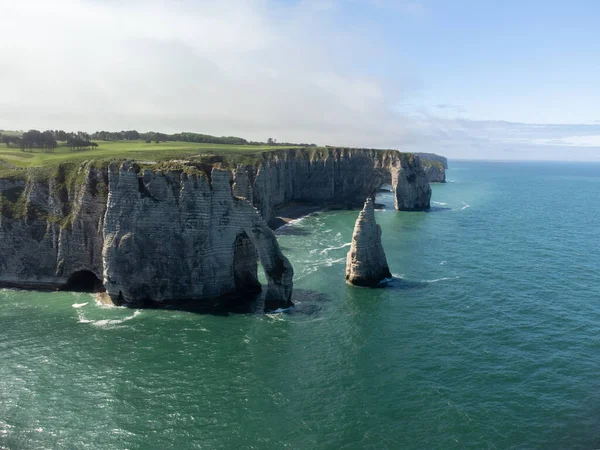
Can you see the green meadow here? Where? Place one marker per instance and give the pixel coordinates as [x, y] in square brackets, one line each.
[13, 161]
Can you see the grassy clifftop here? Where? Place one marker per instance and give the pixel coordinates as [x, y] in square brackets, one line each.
[15, 163]
[13, 160]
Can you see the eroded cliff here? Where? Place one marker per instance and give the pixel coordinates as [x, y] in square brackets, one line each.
[148, 238]
[184, 231]
[339, 177]
[435, 167]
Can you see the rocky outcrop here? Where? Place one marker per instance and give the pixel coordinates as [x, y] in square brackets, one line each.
[149, 238]
[366, 264]
[334, 177]
[50, 229]
[204, 241]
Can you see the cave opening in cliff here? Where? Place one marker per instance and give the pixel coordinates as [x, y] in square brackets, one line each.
[84, 281]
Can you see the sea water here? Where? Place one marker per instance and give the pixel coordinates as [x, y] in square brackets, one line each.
[488, 336]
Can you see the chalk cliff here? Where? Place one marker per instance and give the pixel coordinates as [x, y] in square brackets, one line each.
[173, 236]
[146, 237]
[434, 171]
[433, 157]
[434, 166]
[194, 232]
[339, 177]
[366, 264]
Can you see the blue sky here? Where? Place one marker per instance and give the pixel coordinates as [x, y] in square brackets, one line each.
[469, 79]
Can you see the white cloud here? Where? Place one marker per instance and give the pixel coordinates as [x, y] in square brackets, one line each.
[255, 68]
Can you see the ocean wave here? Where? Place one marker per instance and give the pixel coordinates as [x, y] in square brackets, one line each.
[465, 206]
[107, 304]
[325, 250]
[275, 316]
[299, 219]
[330, 261]
[282, 310]
[106, 322]
[443, 263]
[439, 203]
[79, 305]
[441, 279]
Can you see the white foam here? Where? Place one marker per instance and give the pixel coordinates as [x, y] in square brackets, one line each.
[465, 206]
[441, 279]
[298, 220]
[325, 250]
[278, 317]
[440, 203]
[79, 305]
[443, 262]
[105, 322]
[107, 305]
[330, 262]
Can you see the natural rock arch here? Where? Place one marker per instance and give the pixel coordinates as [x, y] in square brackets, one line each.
[245, 265]
[278, 270]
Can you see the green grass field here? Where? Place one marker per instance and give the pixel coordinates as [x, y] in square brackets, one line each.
[13, 160]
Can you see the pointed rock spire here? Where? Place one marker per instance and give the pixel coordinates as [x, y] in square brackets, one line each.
[366, 264]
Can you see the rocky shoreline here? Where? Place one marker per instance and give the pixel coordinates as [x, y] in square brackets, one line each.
[189, 232]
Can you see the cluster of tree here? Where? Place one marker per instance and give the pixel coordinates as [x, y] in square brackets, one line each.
[47, 140]
[129, 135]
[78, 143]
[272, 141]
[10, 140]
[32, 139]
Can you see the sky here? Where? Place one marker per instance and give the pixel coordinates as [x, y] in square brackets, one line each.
[477, 79]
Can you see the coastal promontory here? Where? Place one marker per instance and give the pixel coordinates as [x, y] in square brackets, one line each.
[154, 233]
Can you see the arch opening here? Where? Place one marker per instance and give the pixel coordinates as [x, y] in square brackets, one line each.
[245, 265]
[84, 281]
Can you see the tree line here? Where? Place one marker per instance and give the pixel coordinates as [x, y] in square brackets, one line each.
[47, 140]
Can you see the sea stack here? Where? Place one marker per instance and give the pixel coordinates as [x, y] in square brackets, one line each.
[366, 264]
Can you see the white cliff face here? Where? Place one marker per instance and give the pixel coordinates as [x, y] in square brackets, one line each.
[146, 237]
[158, 237]
[173, 237]
[336, 177]
[435, 173]
[366, 264]
[51, 229]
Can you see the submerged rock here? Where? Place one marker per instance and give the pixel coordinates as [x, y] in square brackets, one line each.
[366, 264]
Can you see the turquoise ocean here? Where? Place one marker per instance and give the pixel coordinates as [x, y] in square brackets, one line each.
[487, 337]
